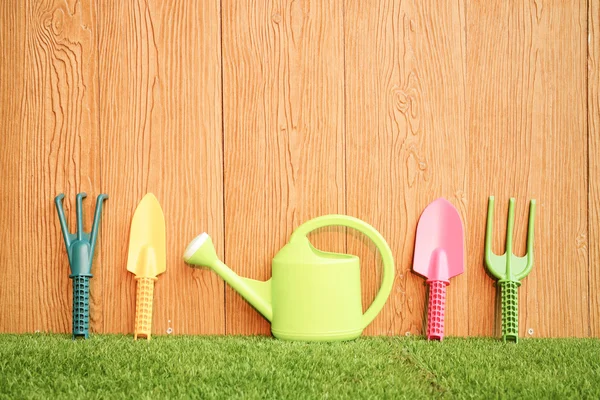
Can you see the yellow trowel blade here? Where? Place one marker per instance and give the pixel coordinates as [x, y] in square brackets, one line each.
[147, 239]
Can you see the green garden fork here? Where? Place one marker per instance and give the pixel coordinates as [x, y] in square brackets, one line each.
[80, 249]
[508, 268]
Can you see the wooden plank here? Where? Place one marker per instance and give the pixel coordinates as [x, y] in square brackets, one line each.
[49, 102]
[284, 126]
[406, 140]
[594, 162]
[12, 56]
[527, 128]
[160, 123]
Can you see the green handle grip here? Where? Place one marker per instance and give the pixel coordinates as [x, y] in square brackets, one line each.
[81, 306]
[387, 279]
[510, 310]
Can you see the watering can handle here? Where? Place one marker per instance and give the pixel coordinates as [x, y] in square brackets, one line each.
[387, 279]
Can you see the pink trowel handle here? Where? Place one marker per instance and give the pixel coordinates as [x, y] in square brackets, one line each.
[436, 309]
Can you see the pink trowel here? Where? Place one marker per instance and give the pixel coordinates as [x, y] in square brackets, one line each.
[439, 256]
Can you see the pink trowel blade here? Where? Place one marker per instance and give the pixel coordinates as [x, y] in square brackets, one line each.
[439, 256]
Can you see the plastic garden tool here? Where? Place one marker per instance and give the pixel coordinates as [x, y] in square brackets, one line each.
[312, 295]
[508, 268]
[439, 256]
[80, 249]
[147, 259]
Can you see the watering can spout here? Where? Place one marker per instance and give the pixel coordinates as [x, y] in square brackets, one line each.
[201, 252]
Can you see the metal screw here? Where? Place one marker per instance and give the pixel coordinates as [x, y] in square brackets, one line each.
[530, 331]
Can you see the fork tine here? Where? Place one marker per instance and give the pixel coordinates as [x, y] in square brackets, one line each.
[531, 228]
[530, 232]
[489, 230]
[510, 227]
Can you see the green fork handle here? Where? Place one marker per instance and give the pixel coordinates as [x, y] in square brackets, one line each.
[510, 309]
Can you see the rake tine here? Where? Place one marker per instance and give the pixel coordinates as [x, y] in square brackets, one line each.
[80, 198]
[61, 218]
[96, 223]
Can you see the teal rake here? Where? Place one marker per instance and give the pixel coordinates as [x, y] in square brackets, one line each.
[80, 249]
[508, 268]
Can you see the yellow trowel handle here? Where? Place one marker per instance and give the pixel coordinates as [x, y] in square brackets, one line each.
[143, 307]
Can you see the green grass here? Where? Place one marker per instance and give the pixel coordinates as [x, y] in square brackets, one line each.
[108, 366]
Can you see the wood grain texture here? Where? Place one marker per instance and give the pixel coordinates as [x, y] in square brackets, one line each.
[527, 128]
[49, 142]
[160, 123]
[369, 108]
[406, 141]
[12, 93]
[593, 105]
[283, 86]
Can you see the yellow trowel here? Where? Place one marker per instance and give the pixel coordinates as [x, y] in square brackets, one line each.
[147, 258]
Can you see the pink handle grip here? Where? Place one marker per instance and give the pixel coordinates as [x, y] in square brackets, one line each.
[436, 309]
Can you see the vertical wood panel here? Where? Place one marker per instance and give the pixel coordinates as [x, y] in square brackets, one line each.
[13, 26]
[160, 121]
[51, 137]
[527, 128]
[406, 140]
[594, 162]
[284, 127]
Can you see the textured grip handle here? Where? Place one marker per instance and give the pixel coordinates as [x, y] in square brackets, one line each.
[510, 310]
[436, 310]
[81, 306]
[143, 307]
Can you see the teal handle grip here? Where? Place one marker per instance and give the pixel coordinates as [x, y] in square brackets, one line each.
[81, 306]
[510, 310]
[387, 279]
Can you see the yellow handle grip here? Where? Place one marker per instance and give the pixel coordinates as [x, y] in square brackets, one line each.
[143, 307]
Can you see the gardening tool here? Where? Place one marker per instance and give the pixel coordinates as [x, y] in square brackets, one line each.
[313, 295]
[146, 259]
[439, 256]
[80, 250]
[508, 268]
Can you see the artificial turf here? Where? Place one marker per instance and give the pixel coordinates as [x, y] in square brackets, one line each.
[111, 366]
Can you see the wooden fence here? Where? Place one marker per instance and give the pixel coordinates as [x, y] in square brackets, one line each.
[248, 118]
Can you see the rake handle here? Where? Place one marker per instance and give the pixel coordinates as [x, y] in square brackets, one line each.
[510, 310]
[81, 306]
[143, 307]
[436, 310]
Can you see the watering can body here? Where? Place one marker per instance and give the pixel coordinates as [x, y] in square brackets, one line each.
[312, 295]
[315, 295]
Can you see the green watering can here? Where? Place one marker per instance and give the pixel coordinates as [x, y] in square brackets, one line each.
[312, 295]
